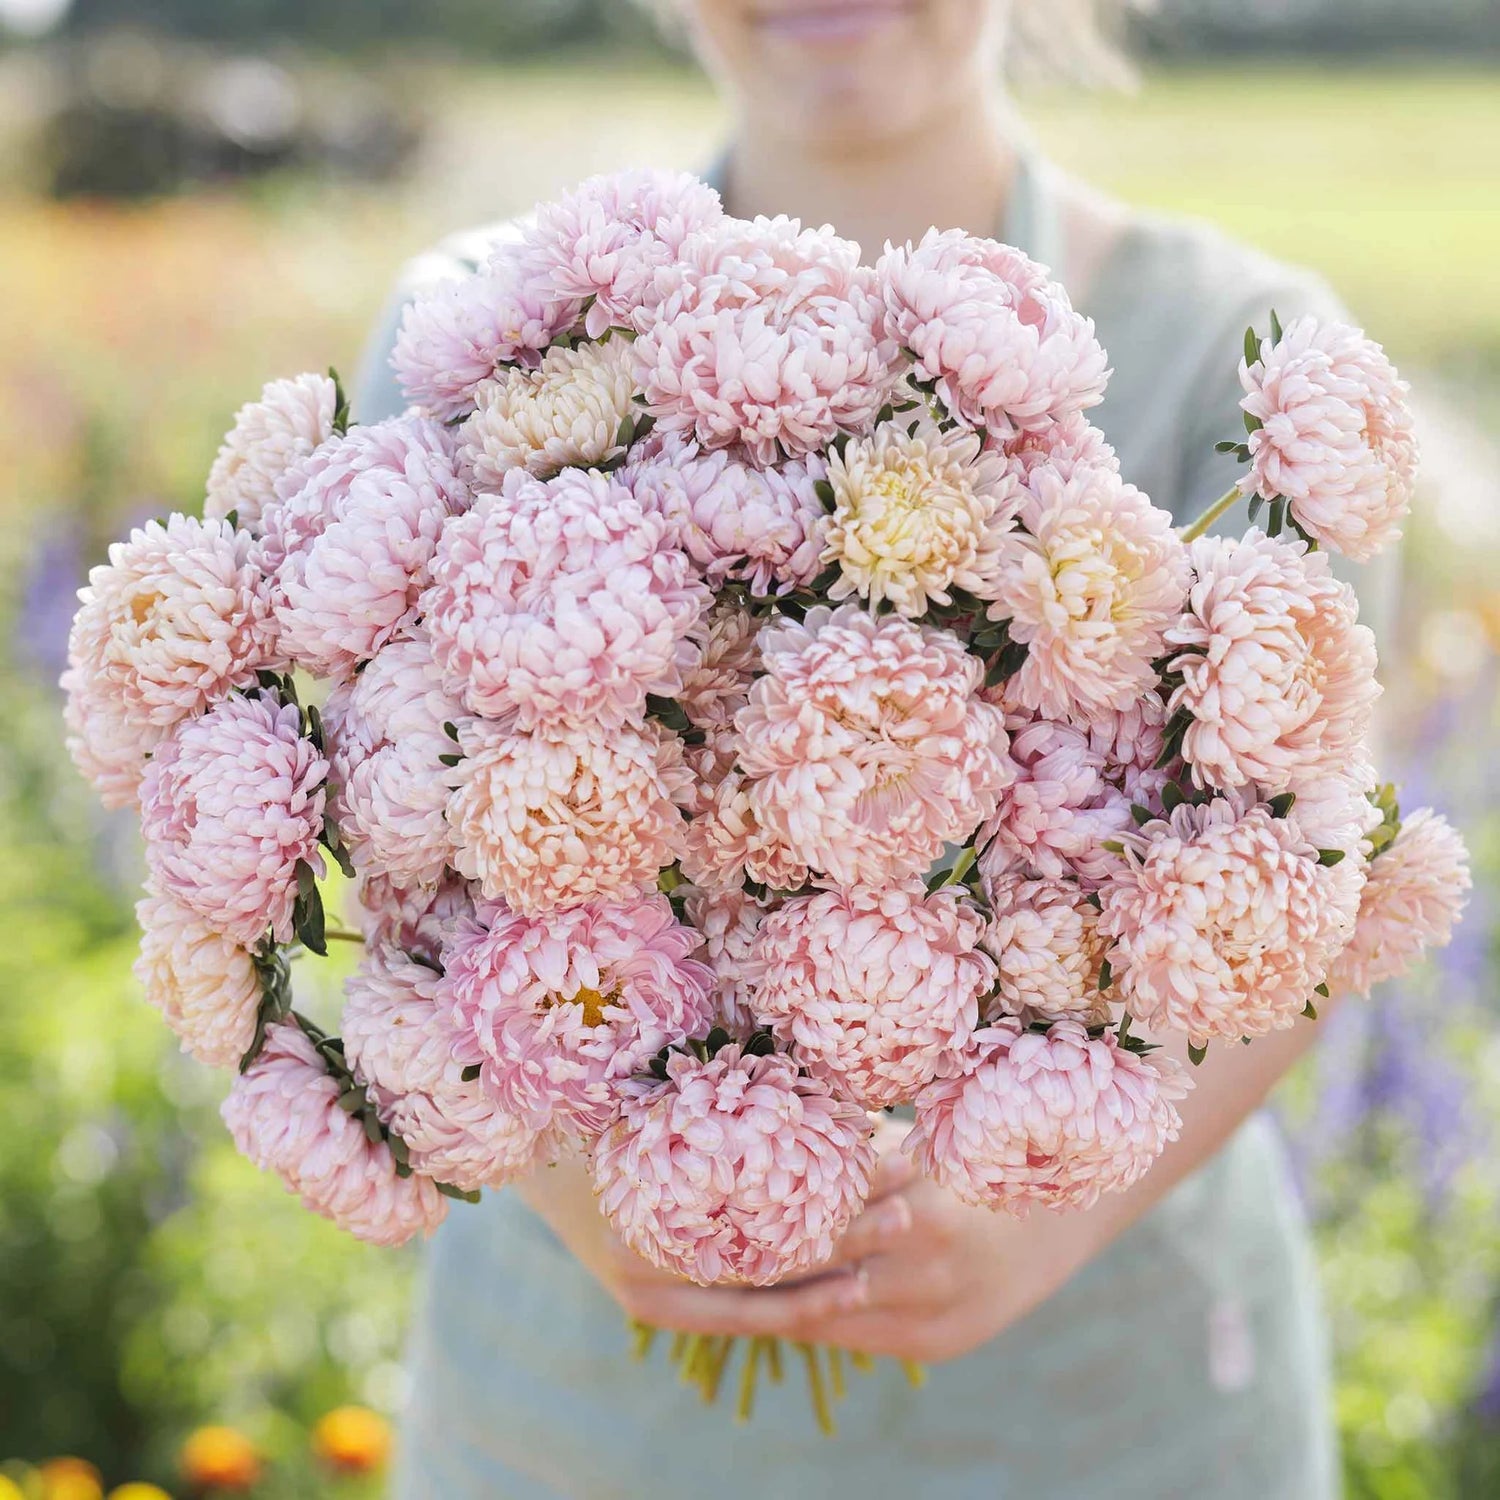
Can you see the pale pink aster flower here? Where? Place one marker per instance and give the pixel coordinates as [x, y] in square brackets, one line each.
[1413, 894]
[231, 804]
[717, 685]
[562, 600]
[760, 526]
[706, 767]
[1062, 807]
[1054, 1119]
[999, 338]
[1044, 936]
[269, 437]
[729, 842]
[763, 335]
[566, 413]
[728, 920]
[459, 332]
[603, 242]
[284, 1114]
[176, 618]
[1090, 582]
[1223, 921]
[565, 1009]
[916, 512]
[1062, 446]
[866, 744]
[1334, 437]
[876, 991]
[551, 819]
[1335, 812]
[416, 919]
[204, 984]
[388, 786]
[735, 1169]
[351, 548]
[411, 1056]
[1277, 673]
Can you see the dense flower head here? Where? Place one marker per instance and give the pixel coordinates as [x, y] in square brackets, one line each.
[1224, 920]
[762, 335]
[565, 1009]
[916, 512]
[204, 984]
[1413, 894]
[567, 412]
[231, 804]
[1334, 436]
[269, 437]
[460, 331]
[986, 324]
[554, 818]
[1090, 581]
[867, 746]
[411, 1056]
[562, 601]
[735, 1169]
[717, 685]
[1062, 446]
[737, 522]
[603, 243]
[388, 785]
[1044, 937]
[1277, 673]
[284, 1114]
[1063, 805]
[728, 921]
[416, 919]
[875, 990]
[729, 841]
[349, 549]
[1053, 1118]
[176, 618]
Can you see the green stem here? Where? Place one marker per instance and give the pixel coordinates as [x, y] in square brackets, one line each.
[748, 1376]
[916, 1375]
[961, 867]
[341, 935]
[1196, 528]
[819, 1395]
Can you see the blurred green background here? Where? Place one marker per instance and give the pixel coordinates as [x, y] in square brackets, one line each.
[196, 197]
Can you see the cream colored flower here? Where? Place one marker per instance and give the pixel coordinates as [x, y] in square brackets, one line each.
[916, 511]
[565, 413]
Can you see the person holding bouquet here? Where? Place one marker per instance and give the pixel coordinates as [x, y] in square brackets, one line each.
[1168, 1341]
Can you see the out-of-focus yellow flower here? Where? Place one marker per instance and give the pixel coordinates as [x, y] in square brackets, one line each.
[219, 1458]
[138, 1490]
[353, 1439]
[70, 1479]
[10, 1490]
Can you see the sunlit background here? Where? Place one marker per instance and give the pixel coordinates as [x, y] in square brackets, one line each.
[196, 196]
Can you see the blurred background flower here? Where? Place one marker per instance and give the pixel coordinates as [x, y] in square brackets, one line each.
[197, 197]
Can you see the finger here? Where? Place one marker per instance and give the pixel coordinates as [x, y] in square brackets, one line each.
[777, 1312]
[880, 1227]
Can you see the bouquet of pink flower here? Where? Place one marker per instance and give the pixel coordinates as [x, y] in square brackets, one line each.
[748, 696]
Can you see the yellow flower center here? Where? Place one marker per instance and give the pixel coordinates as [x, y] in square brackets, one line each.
[593, 1004]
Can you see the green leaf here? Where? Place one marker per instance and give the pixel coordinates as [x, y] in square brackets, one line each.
[1172, 796]
[1227, 445]
[307, 912]
[449, 760]
[449, 1191]
[1310, 1011]
[626, 432]
[1254, 508]
[470, 1073]
[1252, 347]
[1330, 857]
[1106, 975]
[1282, 804]
[826, 498]
[341, 418]
[451, 730]
[232, 519]
[1275, 327]
[1142, 815]
[1114, 846]
[1197, 1054]
[1321, 989]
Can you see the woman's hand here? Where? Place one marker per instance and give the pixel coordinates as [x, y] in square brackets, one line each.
[919, 1275]
[563, 1196]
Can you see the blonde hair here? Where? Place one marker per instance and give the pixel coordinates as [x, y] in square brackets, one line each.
[1051, 41]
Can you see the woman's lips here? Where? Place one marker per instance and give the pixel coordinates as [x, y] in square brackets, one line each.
[831, 20]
